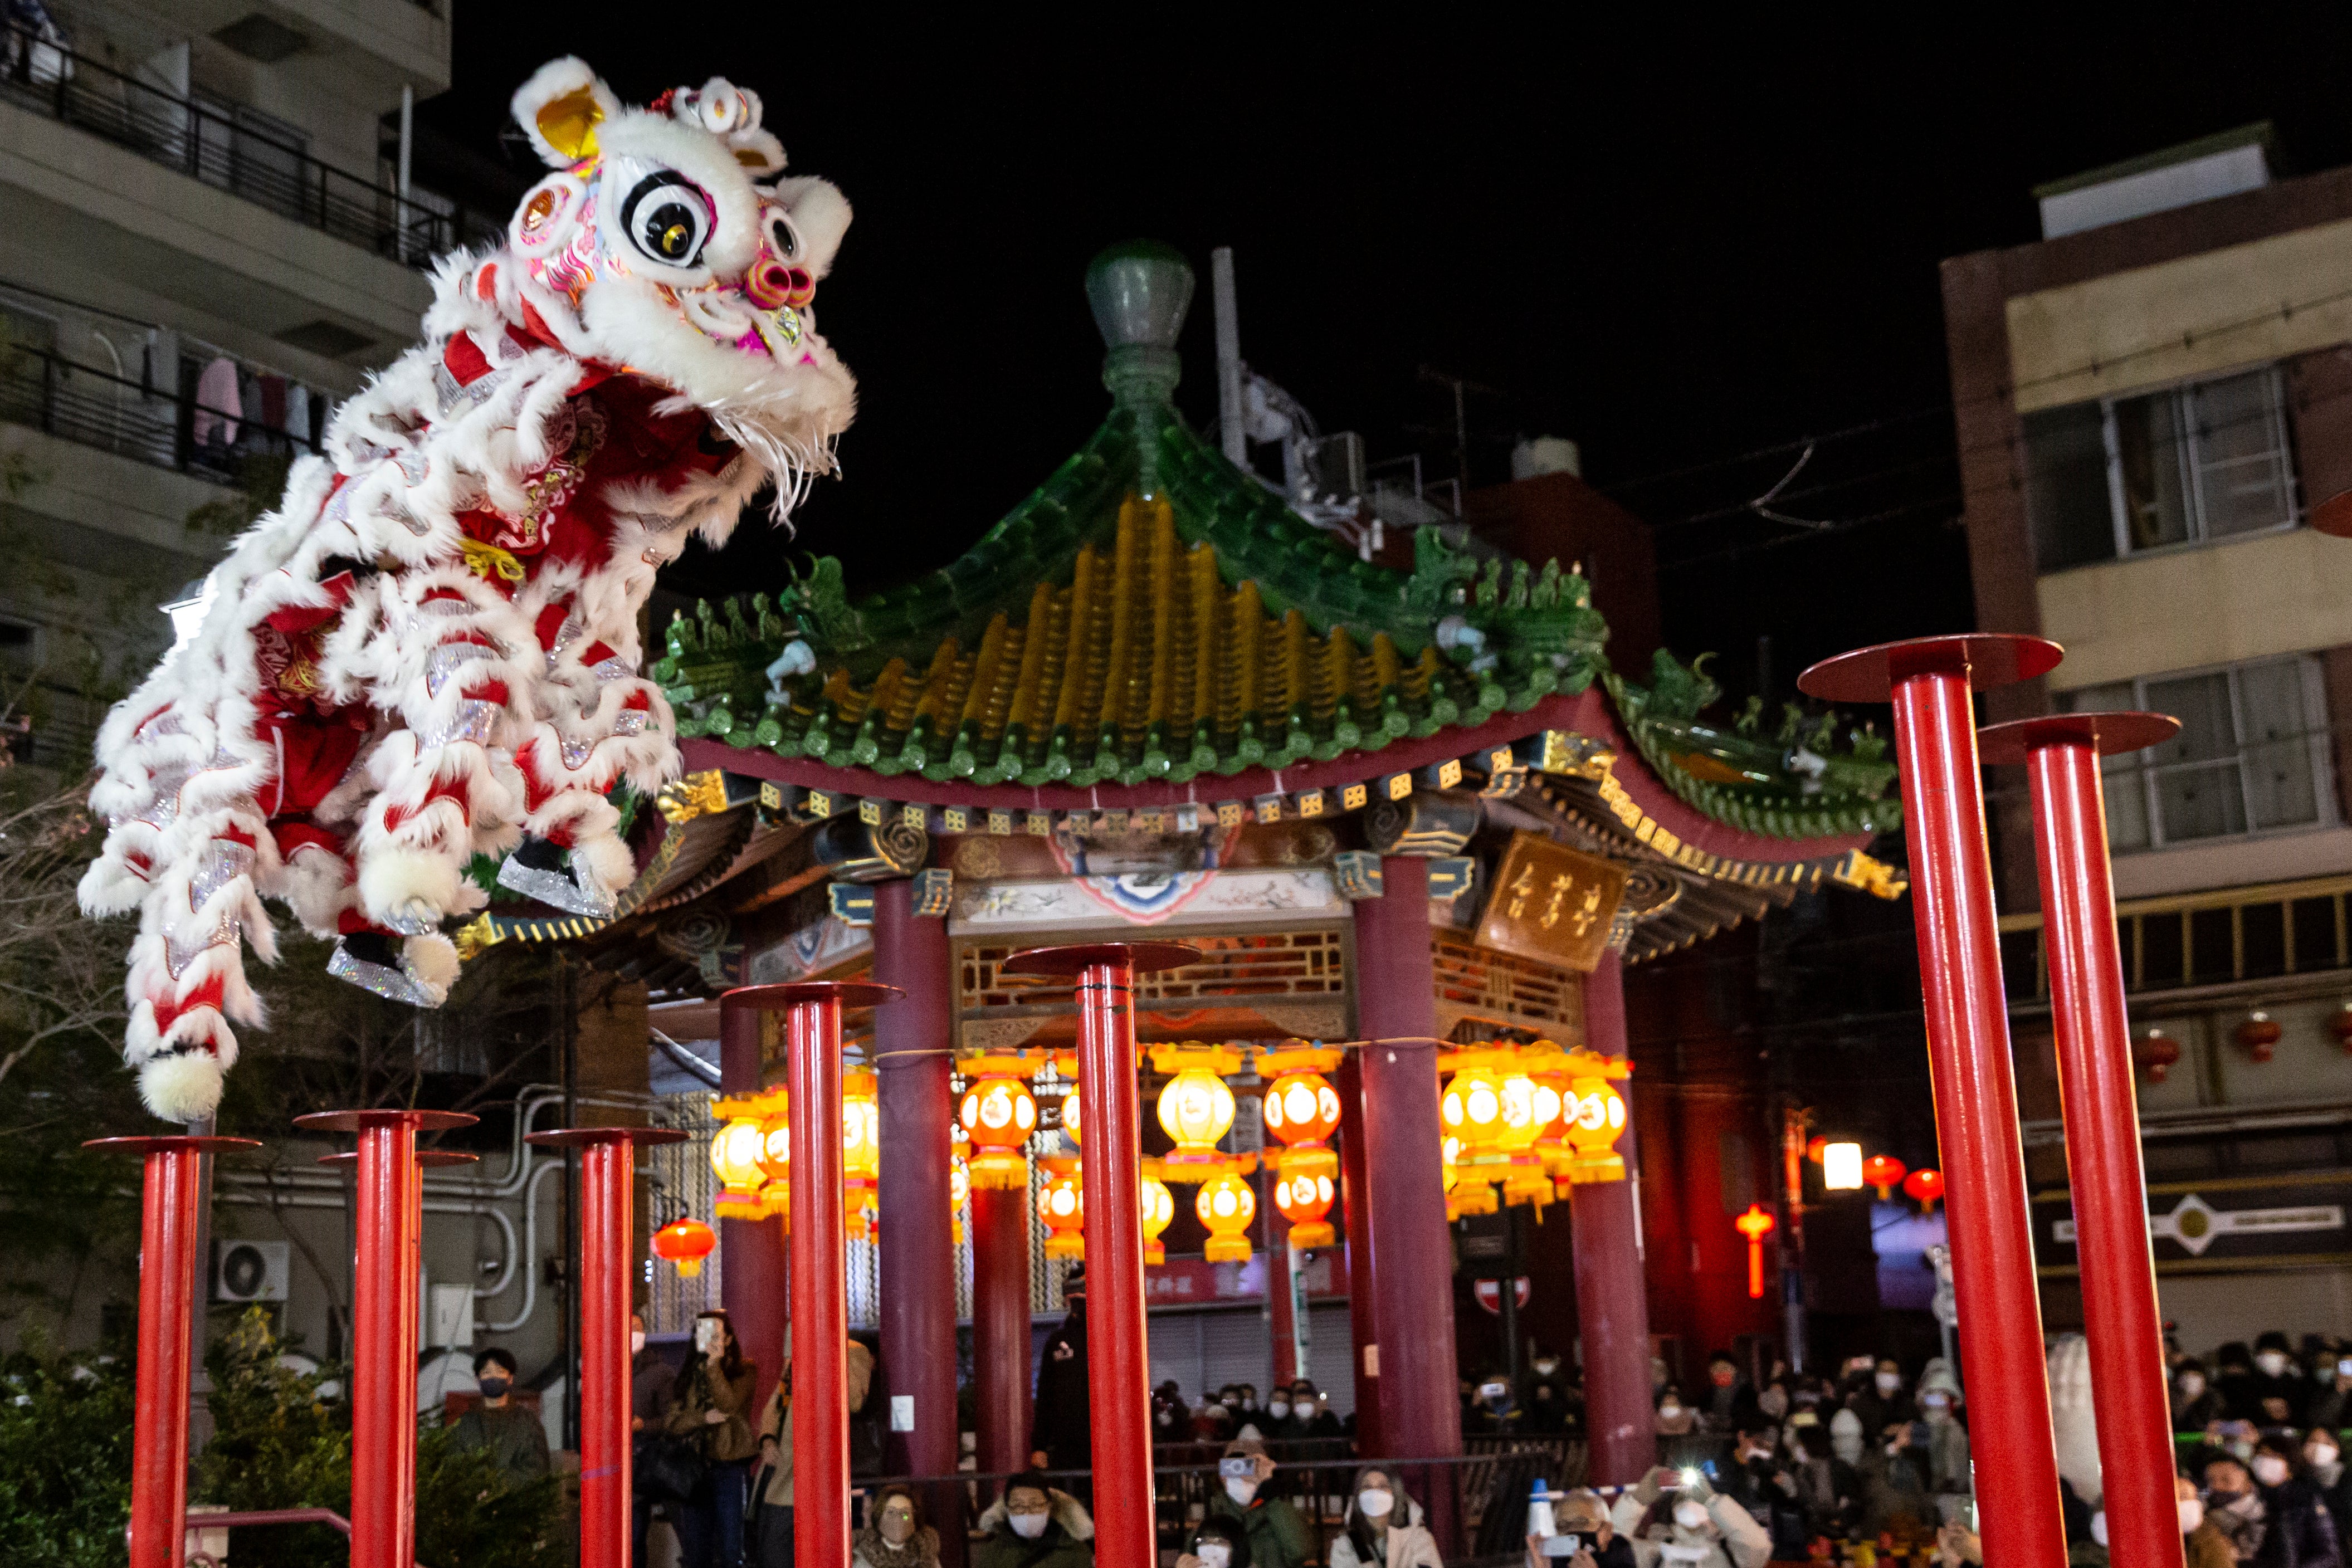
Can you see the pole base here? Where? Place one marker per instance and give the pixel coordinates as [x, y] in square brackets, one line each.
[1988, 658]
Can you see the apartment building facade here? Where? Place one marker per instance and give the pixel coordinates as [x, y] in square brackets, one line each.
[209, 246]
[2149, 400]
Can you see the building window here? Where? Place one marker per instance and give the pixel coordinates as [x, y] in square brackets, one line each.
[2185, 466]
[2251, 756]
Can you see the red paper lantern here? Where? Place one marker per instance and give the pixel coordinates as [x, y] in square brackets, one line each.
[1756, 1225]
[2154, 1054]
[684, 1242]
[2258, 1034]
[1883, 1171]
[1924, 1187]
[1062, 1207]
[2341, 1024]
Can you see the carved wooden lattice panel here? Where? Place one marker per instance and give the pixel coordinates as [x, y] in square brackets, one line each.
[1475, 983]
[1269, 967]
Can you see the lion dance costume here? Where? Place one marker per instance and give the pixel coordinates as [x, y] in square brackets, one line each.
[429, 651]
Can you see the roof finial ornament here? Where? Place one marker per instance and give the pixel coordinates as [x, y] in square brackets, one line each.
[1140, 291]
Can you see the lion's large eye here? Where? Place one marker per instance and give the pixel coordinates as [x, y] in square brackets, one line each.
[667, 217]
[782, 238]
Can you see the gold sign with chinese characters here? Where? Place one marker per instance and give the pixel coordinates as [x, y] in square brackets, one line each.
[1551, 904]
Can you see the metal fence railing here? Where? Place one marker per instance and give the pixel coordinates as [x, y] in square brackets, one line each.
[114, 413]
[214, 145]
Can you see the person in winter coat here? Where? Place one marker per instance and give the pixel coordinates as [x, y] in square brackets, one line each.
[1221, 1541]
[1755, 1478]
[1895, 1484]
[772, 1524]
[1034, 1524]
[894, 1535]
[1383, 1527]
[650, 1380]
[1687, 1526]
[1061, 1435]
[1730, 1400]
[2196, 1403]
[2331, 1398]
[2202, 1542]
[1829, 1488]
[511, 1435]
[712, 1400]
[1879, 1403]
[2276, 1391]
[1278, 1537]
[1948, 1440]
[2302, 1534]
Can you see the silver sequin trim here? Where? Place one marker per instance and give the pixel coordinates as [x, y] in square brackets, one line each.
[475, 722]
[632, 721]
[177, 957]
[224, 860]
[393, 985]
[571, 632]
[163, 807]
[607, 671]
[576, 753]
[449, 658]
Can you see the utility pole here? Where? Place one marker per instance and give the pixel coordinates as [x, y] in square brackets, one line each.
[1232, 414]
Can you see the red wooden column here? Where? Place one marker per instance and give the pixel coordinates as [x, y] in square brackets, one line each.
[1613, 1302]
[820, 1273]
[1409, 1252]
[912, 1041]
[2094, 1073]
[999, 1326]
[1355, 1205]
[1929, 680]
[608, 1249]
[168, 1228]
[383, 1326]
[1118, 1368]
[751, 1273]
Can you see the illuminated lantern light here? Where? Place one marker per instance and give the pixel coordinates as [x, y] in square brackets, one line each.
[861, 1151]
[958, 1194]
[1883, 1171]
[1594, 1114]
[1490, 1105]
[1062, 1207]
[1842, 1167]
[1756, 1225]
[1073, 1117]
[1226, 1206]
[1546, 1068]
[1302, 1109]
[1159, 1211]
[684, 1242]
[1196, 1108]
[1924, 1187]
[1304, 1196]
[998, 1113]
[776, 1165]
[739, 1156]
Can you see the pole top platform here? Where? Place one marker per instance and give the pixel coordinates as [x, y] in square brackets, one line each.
[2109, 733]
[1988, 658]
[360, 1121]
[1141, 957]
[428, 1160]
[172, 1144]
[792, 993]
[587, 1137]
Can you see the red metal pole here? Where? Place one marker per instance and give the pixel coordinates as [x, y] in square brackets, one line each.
[1118, 1372]
[2103, 1157]
[383, 1328]
[1000, 1325]
[1929, 681]
[607, 1251]
[820, 1272]
[167, 1241]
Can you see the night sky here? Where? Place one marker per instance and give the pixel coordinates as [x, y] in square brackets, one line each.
[1675, 247]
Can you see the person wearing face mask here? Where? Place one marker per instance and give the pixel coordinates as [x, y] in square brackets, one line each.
[1310, 1412]
[1846, 1436]
[1220, 1541]
[2268, 1393]
[1880, 1402]
[1034, 1524]
[2323, 1459]
[650, 1379]
[2302, 1533]
[2196, 1403]
[1674, 1418]
[1213, 1420]
[1756, 1479]
[2331, 1382]
[2203, 1544]
[1583, 1516]
[511, 1435]
[1828, 1487]
[710, 1406]
[894, 1535]
[1171, 1418]
[1277, 1537]
[1730, 1401]
[1383, 1527]
[1686, 1524]
[2234, 1510]
[1948, 1440]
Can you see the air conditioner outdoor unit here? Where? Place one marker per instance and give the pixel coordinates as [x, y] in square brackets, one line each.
[250, 1271]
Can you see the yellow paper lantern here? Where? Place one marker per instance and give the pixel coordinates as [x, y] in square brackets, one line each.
[1226, 1206]
[861, 1150]
[958, 1194]
[998, 1113]
[1062, 1207]
[1595, 1118]
[1196, 1109]
[751, 1178]
[1159, 1211]
[735, 1153]
[1071, 1118]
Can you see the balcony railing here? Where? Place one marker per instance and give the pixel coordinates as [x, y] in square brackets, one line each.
[2185, 940]
[94, 408]
[208, 146]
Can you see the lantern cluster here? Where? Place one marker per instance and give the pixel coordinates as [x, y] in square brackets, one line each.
[1302, 1111]
[861, 1151]
[1196, 1108]
[1487, 1116]
[751, 1155]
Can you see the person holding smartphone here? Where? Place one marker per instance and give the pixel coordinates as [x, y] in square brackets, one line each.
[1277, 1535]
[712, 1398]
[1674, 1517]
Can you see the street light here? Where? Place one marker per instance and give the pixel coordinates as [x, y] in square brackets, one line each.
[1842, 1167]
